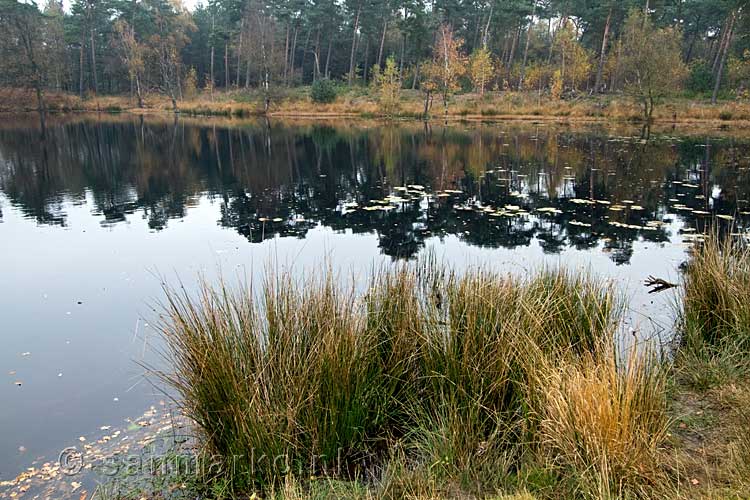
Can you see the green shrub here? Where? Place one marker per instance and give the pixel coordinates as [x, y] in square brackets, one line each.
[323, 91]
[701, 78]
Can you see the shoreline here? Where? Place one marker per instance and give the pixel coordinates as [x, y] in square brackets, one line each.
[451, 117]
[359, 104]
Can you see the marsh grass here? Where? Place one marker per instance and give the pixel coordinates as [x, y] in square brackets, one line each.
[604, 424]
[714, 310]
[426, 383]
[712, 390]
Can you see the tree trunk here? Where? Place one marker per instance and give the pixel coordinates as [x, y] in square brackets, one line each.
[286, 56]
[247, 71]
[401, 65]
[613, 78]
[316, 54]
[717, 84]
[603, 54]
[720, 50]
[138, 90]
[226, 64]
[93, 63]
[382, 42]
[367, 59]
[526, 49]
[304, 55]
[486, 34]
[293, 53]
[512, 54]
[212, 71]
[80, 63]
[239, 52]
[354, 44]
[328, 55]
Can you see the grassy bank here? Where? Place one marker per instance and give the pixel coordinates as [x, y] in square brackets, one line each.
[428, 385]
[432, 384]
[710, 394]
[358, 102]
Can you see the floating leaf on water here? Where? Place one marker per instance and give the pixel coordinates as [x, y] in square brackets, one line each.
[577, 223]
[550, 210]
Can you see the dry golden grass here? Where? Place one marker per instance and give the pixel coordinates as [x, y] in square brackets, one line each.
[357, 102]
[605, 423]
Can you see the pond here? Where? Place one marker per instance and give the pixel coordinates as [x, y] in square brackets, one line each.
[102, 210]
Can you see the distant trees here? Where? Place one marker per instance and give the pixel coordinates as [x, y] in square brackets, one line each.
[652, 62]
[25, 55]
[481, 69]
[448, 64]
[557, 47]
[132, 54]
[388, 85]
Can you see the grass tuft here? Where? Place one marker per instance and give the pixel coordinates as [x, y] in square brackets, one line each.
[426, 384]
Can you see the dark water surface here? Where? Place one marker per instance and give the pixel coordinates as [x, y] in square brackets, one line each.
[93, 215]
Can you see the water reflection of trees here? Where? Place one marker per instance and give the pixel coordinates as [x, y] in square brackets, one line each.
[276, 179]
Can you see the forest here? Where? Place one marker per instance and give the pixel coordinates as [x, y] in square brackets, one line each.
[563, 49]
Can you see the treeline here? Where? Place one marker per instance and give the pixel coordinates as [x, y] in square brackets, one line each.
[559, 47]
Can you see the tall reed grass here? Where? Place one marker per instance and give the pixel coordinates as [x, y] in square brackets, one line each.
[429, 377]
[715, 309]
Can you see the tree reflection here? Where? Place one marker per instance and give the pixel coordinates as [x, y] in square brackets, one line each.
[488, 186]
